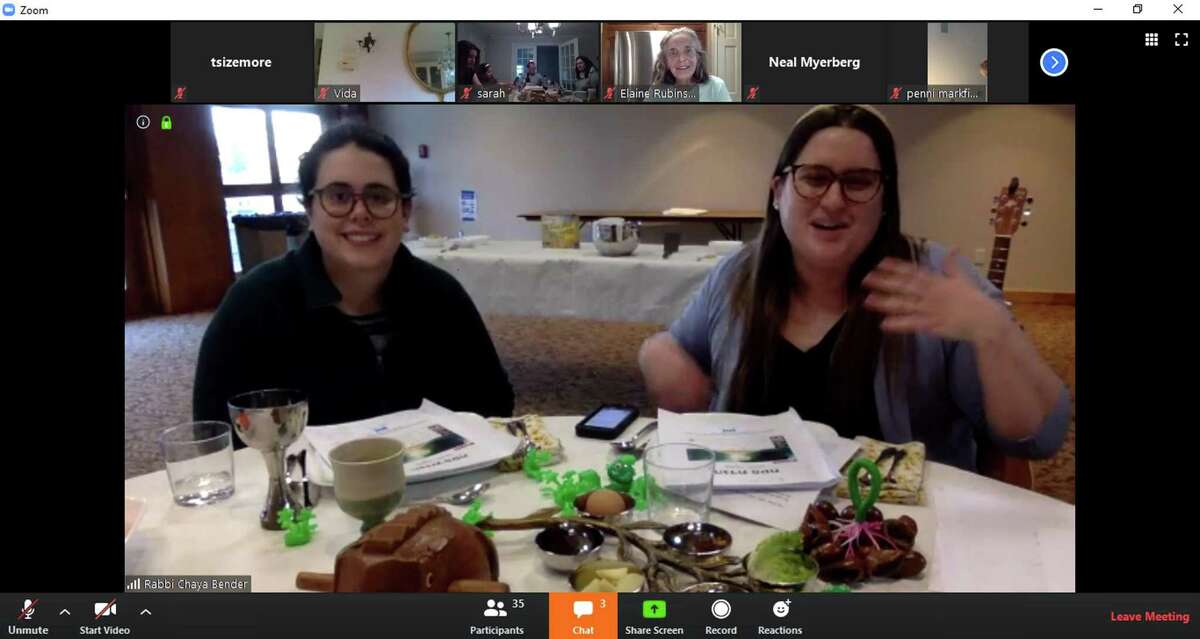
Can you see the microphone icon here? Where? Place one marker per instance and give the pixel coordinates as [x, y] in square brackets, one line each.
[27, 609]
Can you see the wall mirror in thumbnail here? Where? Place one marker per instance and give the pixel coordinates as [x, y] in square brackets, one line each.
[430, 56]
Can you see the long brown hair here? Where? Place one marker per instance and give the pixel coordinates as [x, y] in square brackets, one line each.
[766, 279]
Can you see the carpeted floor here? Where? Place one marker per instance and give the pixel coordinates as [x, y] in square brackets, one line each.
[557, 367]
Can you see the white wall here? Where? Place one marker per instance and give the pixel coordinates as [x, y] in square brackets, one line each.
[953, 159]
[383, 73]
[954, 56]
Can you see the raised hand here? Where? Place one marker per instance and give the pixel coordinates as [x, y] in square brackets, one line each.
[914, 300]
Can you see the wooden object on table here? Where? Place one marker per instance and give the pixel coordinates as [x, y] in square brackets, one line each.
[1008, 215]
[424, 549]
[729, 223]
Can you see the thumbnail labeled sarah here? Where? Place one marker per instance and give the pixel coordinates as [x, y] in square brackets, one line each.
[528, 62]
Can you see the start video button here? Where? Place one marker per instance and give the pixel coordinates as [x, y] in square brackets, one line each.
[1054, 62]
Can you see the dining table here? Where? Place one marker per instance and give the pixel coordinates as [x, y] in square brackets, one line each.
[523, 278]
[977, 534]
[731, 224]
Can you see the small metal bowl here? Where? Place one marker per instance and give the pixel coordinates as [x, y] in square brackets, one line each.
[567, 545]
[601, 564]
[697, 539]
[624, 515]
[712, 587]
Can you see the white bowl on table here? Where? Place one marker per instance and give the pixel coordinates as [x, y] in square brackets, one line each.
[725, 247]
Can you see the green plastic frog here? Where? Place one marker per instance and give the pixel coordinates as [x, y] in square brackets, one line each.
[622, 471]
[299, 528]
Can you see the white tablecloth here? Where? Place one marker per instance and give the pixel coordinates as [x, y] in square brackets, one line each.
[522, 278]
[977, 534]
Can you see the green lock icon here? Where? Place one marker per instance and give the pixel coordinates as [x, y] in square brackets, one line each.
[166, 123]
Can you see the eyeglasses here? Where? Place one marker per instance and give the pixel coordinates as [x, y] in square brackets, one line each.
[812, 181]
[686, 52]
[338, 200]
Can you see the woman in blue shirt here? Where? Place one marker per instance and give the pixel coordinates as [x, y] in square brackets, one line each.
[833, 311]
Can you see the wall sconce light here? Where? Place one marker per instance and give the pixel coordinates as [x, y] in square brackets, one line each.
[367, 42]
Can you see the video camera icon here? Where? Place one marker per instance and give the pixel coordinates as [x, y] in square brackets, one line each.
[105, 608]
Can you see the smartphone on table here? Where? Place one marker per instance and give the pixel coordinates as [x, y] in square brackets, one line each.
[607, 422]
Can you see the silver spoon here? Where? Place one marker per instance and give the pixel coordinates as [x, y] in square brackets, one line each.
[464, 497]
[517, 427]
[631, 444]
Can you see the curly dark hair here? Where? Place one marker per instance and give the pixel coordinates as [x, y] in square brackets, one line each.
[362, 136]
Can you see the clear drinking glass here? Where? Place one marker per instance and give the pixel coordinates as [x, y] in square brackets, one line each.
[679, 482]
[199, 458]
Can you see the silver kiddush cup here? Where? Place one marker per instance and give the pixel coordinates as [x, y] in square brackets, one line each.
[270, 421]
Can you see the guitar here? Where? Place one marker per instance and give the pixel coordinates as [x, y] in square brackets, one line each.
[1010, 211]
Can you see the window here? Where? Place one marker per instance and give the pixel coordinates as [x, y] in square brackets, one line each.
[524, 55]
[567, 52]
[260, 150]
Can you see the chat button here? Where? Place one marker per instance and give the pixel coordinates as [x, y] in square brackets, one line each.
[583, 615]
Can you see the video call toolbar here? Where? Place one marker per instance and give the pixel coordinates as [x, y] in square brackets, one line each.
[599, 615]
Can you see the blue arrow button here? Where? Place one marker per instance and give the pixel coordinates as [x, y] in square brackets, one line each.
[1054, 62]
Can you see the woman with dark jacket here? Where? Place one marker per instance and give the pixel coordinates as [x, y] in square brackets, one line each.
[352, 318]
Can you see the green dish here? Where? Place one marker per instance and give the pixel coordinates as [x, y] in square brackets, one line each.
[780, 563]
